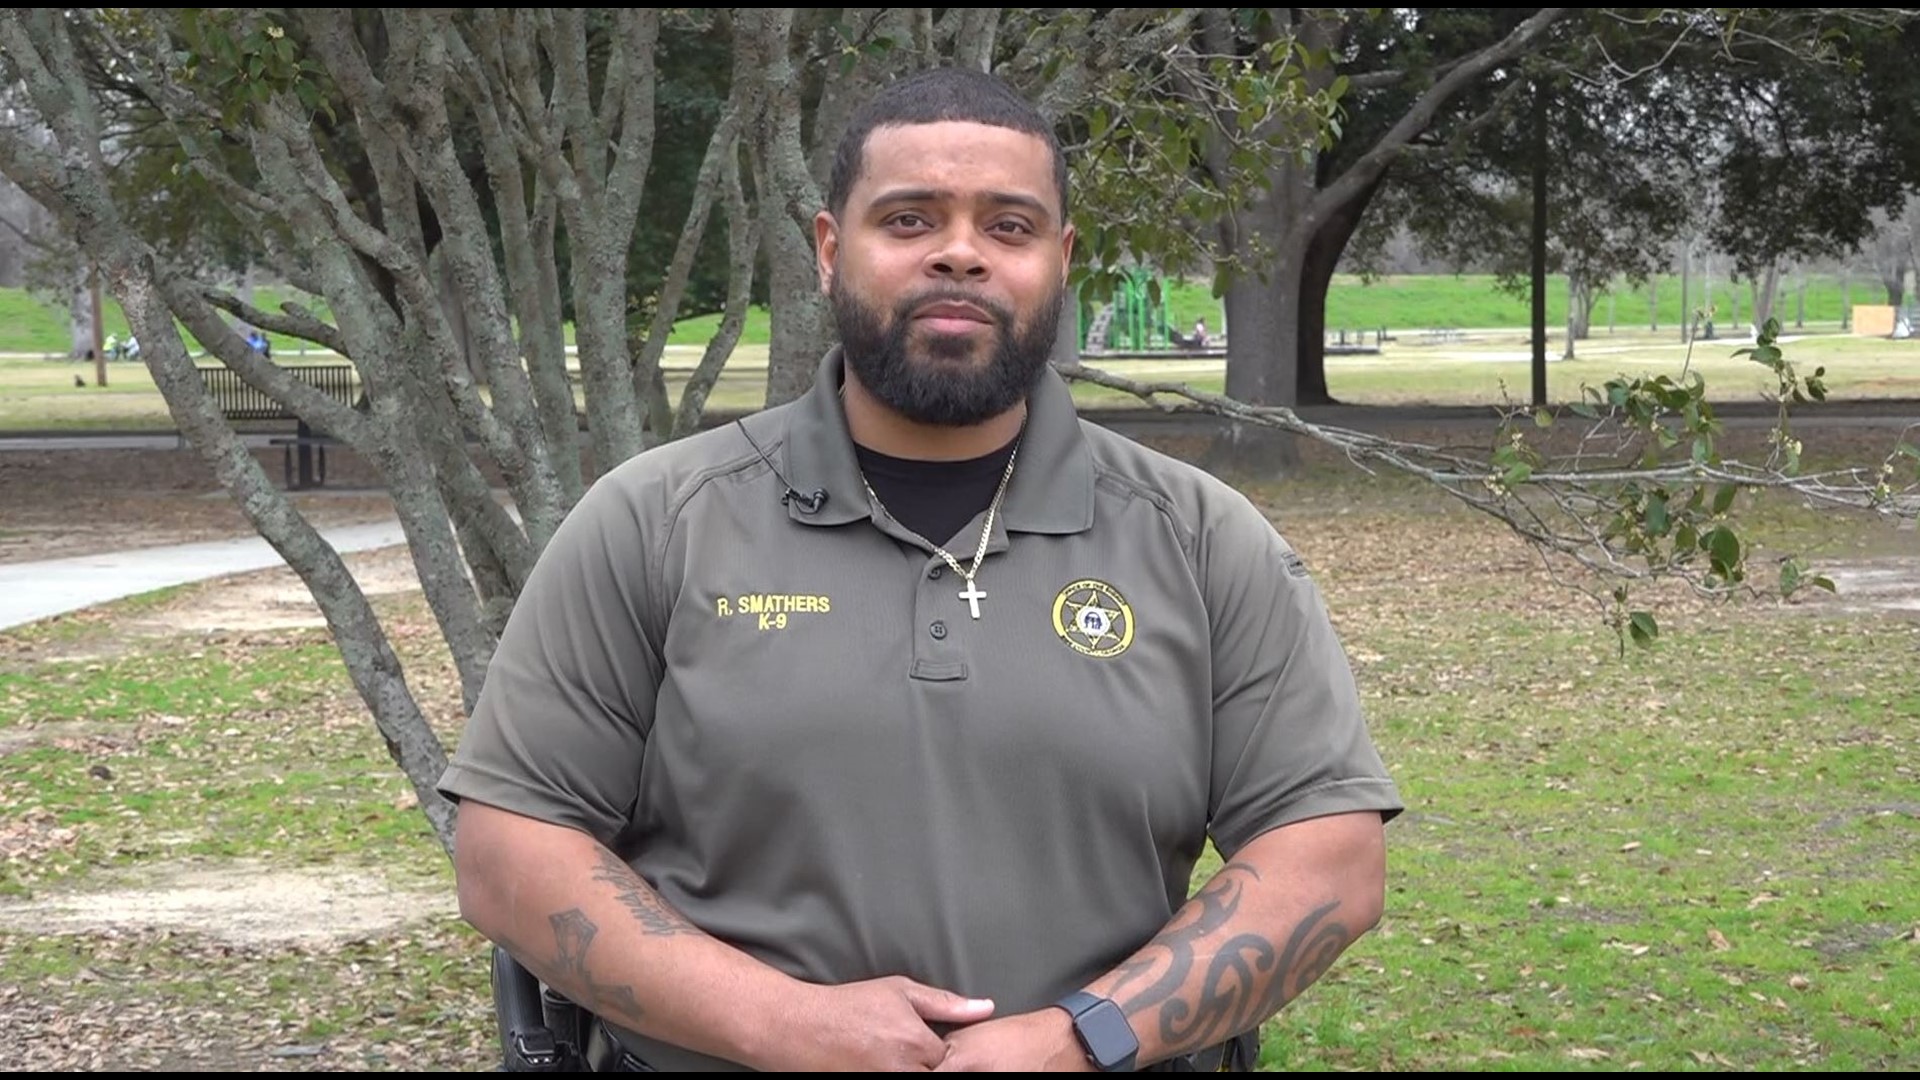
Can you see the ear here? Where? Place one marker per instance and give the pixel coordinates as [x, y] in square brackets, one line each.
[1066, 254]
[826, 248]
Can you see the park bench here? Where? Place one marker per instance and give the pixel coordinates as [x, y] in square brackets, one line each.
[1342, 346]
[239, 401]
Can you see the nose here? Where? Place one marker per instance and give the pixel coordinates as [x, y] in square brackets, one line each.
[957, 258]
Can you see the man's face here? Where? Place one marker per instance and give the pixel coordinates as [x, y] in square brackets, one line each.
[947, 269]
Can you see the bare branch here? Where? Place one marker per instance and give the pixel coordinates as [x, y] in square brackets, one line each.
[743, 243]
[1361, 174]
[1574, 492]
[721, 149]
[296, 322]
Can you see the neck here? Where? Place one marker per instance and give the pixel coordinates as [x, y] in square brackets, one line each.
[877, 426]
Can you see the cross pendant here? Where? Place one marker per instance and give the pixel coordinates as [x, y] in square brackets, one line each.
[973, 596]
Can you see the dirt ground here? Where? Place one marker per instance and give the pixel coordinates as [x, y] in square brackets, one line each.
[61, 503]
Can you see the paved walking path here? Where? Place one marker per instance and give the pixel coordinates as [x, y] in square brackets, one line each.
[31, 591]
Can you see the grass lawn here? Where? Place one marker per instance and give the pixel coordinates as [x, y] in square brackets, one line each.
[1485, 369]
[1698, 856]
[1400, 303]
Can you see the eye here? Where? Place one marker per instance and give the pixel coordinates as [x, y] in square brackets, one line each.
[907, 220]
[1013, 228]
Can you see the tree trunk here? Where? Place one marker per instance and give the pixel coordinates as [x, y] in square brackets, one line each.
[80, 314]
[456, 309]
[743, 244]
[1581, 299]
[1686, 314]
[1763, 291]
[800, 325]
[1896, 286]
[1537, 251]
[1318, 263]
[1260, 333]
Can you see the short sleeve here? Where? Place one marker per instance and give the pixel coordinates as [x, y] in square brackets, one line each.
[1289, 739]
[561, 724]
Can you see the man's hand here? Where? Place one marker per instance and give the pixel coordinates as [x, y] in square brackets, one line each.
[879, 1024]
[1041, 1041]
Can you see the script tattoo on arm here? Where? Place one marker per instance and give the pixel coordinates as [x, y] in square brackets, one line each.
[1247, 978]
[573, 934]
[655, 917]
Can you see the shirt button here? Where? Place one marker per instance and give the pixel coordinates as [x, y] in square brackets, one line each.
[934, 574]
[938, 630]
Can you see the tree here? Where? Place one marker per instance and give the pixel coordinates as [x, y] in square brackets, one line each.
[272, 116]
[1893, 250]
[1807, 162]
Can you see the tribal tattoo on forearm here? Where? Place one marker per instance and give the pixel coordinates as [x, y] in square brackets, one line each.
[573, 933]
[1246, 980]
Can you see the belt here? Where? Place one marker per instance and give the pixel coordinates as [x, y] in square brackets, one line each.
[1238, 1054]
[604, 1052]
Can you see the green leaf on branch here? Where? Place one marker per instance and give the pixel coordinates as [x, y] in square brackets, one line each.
[1518, 474]
[1644, 628]
[1656, 518]
[1542, 418]
[1723, 498]
[1724, 549]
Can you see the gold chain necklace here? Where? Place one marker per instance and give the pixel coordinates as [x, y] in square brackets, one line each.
[973, 594]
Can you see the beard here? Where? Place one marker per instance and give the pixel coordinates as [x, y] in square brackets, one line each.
[936, 380]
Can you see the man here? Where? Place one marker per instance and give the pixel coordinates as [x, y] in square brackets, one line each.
[883, 729]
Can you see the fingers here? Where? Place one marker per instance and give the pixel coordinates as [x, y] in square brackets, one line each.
[943, 1006]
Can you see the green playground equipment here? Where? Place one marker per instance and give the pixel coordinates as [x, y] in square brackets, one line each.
[1140, 311]
[1135, 318]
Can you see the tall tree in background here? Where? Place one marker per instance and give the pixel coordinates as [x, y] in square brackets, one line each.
[1811, 151]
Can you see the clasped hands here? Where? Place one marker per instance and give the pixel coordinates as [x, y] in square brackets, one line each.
[888, 1024]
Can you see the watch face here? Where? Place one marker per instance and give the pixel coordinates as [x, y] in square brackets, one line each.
[1108, 1038]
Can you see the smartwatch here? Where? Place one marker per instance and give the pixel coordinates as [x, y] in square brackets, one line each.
[1103, 1031]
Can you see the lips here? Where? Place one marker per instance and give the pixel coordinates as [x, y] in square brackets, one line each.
[948, 311]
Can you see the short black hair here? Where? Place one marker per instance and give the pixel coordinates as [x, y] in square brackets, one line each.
[931, 97]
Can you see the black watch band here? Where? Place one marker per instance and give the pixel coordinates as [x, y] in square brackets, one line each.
[1103, 1031]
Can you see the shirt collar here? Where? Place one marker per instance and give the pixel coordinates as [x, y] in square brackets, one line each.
[1052, 486]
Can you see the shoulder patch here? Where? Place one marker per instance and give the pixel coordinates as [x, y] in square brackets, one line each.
[1295, 564]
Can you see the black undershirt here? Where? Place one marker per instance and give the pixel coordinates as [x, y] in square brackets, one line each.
[936, 498]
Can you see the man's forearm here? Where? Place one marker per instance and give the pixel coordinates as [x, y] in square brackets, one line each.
[580, 919]
[1269, 924]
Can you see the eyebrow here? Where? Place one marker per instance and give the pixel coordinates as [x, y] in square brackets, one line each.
[997, 198]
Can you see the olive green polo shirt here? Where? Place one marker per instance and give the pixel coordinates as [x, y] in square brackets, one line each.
[784, 716]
